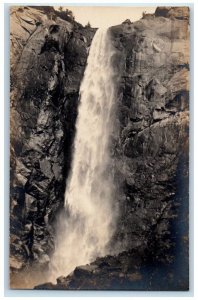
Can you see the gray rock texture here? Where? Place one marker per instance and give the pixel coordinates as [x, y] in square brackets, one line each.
[48, 56]
[152, 117]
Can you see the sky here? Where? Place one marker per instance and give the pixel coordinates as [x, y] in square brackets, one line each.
[105, 16]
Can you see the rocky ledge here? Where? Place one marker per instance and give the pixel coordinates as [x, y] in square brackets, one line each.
[128, 270]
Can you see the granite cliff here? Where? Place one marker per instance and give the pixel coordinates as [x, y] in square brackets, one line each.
[48, 56]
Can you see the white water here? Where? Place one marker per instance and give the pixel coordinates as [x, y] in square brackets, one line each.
[85, 232]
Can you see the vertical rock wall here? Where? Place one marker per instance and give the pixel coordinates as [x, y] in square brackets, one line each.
[151, 148]
[48, 57]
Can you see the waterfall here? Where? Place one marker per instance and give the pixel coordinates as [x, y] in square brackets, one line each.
[87, 228]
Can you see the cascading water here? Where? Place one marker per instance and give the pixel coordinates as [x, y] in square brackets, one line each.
[88, 226]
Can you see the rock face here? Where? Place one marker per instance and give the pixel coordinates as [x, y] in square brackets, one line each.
[48, 57]
[149, 145]
[152, 115]
[151, 149]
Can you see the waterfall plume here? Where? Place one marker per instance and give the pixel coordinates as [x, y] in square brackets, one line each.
[88, 223]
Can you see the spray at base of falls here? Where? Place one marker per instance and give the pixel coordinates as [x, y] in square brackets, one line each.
[87, 228]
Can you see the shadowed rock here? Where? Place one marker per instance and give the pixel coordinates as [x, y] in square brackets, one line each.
[48, 57]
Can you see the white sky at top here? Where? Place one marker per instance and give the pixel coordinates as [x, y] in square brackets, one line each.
[106, 16]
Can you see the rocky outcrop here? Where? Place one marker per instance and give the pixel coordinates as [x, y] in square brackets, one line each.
[180, 12]
[48, 56]
[126, 271]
